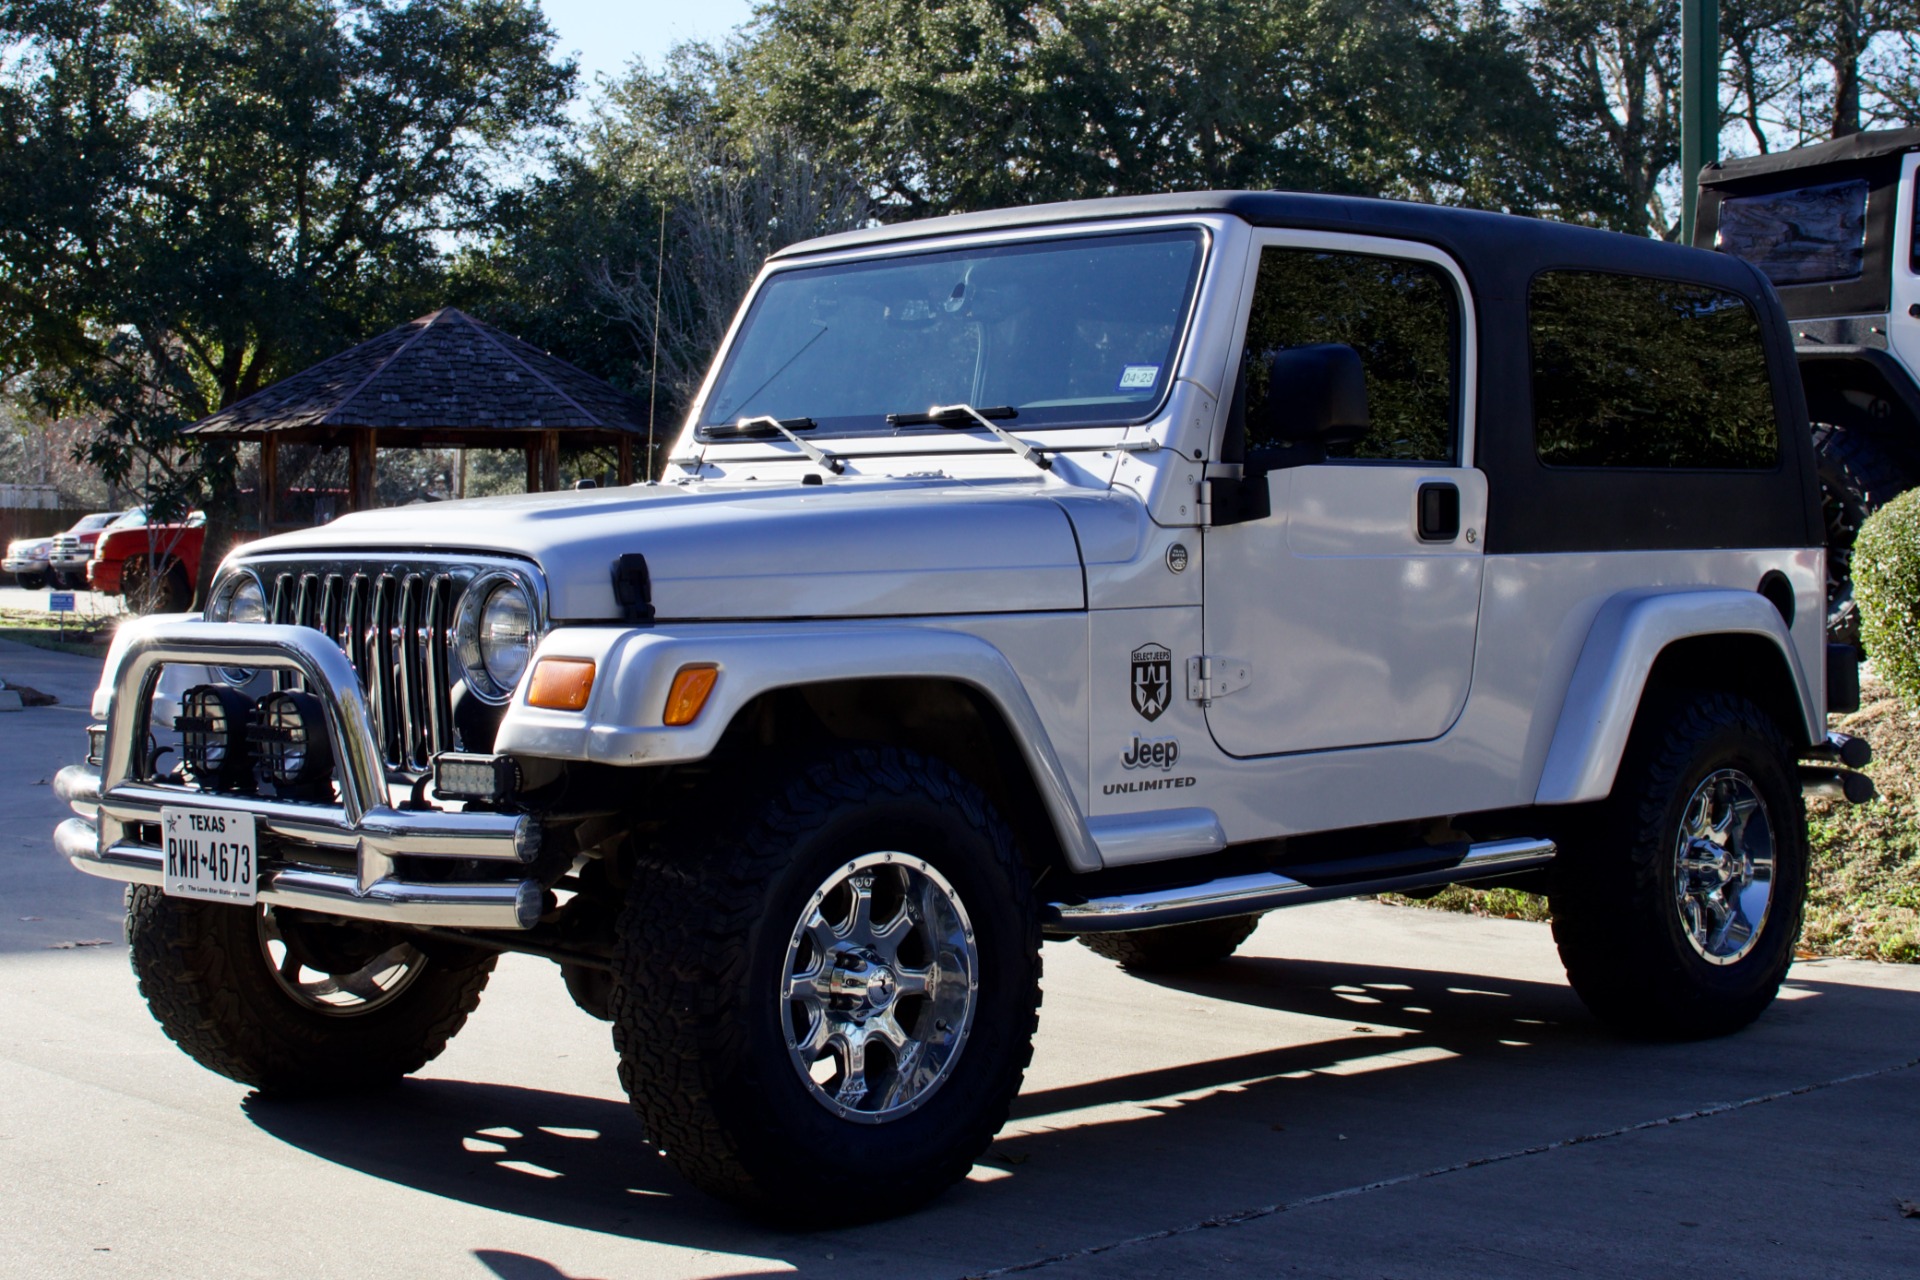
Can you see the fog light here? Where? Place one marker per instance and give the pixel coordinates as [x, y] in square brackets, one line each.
[290, 739]
[213, 736]
[96, 745]
[474, 777]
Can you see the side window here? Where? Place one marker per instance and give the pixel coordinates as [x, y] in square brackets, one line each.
[1809, 235]
[1402, 316]
[1635, 372]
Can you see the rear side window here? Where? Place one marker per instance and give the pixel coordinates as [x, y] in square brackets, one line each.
[1402, 316]
[1634, 372]
[1809, 235]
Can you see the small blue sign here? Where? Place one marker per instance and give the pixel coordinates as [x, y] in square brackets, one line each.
[59, 602]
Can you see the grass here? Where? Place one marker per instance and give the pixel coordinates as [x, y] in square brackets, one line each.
[1865, 896]
[84, 634]
[1863, 892]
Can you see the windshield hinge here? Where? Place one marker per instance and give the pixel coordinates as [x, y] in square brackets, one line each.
[1210, 677]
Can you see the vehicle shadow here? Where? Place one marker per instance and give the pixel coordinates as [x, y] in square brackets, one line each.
[1404, 1071]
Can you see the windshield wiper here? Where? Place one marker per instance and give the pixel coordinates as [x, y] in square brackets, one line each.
[766, 425]
[965, 415]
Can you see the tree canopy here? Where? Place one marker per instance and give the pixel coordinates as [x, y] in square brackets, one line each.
[197, 196]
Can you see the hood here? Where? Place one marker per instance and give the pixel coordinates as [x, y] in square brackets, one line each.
[734, 551]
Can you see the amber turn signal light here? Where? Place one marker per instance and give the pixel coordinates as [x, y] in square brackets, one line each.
[561, 684]
[691, 685]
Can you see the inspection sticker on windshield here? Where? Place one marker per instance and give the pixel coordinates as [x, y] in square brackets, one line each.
[1138, 377]
[211, 854]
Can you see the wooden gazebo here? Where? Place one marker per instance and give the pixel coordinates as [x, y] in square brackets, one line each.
[443, 381]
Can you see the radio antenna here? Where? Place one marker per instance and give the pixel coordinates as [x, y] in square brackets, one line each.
[653, 387]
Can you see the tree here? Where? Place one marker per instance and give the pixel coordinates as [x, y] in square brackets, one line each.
[578, 263]
[1839, 35]
[946, 105]
[197, 196]
[1612, 67]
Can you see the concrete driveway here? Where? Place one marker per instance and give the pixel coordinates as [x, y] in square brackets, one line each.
[1366, 1092]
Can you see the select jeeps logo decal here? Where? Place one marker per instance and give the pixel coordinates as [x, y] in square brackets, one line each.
[1150, 753]
[1152, 679]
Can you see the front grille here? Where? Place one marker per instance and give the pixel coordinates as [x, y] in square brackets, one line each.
[395, 627]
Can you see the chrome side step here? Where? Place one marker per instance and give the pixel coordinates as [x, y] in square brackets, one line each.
[1264, 891]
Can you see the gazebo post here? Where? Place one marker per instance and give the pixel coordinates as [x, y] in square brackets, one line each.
[533, 467]
[549, 461]
[625, 473]
[361, 448]
[269, 480]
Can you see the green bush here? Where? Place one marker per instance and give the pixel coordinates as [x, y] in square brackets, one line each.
[1886, 583]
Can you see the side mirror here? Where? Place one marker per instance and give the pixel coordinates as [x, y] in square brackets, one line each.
[1316, 396]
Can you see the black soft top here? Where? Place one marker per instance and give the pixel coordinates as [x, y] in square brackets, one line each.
[1850, 150]
[1473, 238]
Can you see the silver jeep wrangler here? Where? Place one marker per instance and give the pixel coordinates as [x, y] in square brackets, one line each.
[1118, 570]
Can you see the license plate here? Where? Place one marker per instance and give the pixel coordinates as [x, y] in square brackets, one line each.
[211, 854]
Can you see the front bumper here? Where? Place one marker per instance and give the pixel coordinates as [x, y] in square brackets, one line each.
[24, 565]
[104, 576]
[344, 859]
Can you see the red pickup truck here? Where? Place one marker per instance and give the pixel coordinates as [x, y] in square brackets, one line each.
[155, 567]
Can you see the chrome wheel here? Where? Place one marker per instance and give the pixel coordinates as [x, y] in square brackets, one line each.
[1723, 867]
[879, 987]
[326, 977]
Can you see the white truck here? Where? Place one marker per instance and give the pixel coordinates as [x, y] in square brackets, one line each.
[1117, 571]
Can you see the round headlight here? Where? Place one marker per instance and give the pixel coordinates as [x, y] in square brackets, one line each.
[494, 636]
[239, 599]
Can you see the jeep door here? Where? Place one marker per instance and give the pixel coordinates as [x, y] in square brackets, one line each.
[1351, 604]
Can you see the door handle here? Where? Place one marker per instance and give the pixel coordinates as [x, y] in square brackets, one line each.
[1438, 519]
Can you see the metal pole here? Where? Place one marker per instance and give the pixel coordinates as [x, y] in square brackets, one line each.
[1699, 102]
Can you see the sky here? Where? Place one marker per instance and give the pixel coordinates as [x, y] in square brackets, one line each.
[606, 35]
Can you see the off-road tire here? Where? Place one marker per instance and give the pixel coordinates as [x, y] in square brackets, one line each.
[1176, 947]
[1857, 478]
[701, 950]
[30, 581]
[207, 982]
[1613, 897]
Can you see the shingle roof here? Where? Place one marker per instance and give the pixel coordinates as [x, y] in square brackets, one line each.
[443, 372]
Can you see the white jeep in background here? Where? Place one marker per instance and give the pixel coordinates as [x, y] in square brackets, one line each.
[1832, 226]
[1119, 570]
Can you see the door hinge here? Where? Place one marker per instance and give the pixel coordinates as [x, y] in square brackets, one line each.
[1209, 677]
[1203, 505]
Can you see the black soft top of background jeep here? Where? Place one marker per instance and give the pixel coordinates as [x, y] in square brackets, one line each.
[1850, 150]
[1532, 508]
[1874, 158]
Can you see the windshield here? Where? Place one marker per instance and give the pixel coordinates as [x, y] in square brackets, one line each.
[99, 520]
[1065, 332]
[131, 520]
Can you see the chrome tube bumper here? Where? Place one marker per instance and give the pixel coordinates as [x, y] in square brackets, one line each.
[104, 839]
